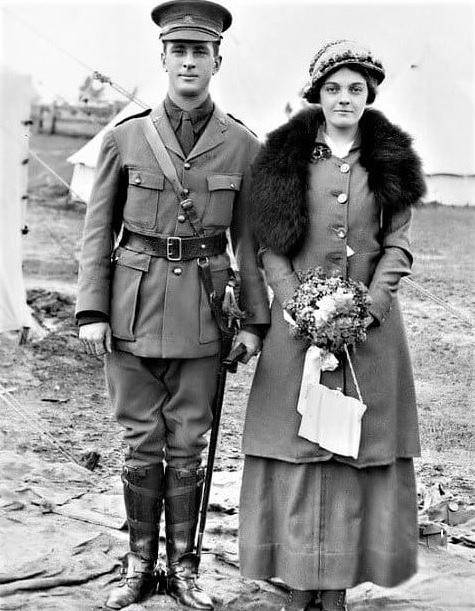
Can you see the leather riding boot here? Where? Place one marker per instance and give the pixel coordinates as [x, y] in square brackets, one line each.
[183, 488]
[300, 600]
[334, 600]
[143, 497]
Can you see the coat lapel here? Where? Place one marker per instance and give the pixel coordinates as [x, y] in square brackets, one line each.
[213, 134]
[162, 125]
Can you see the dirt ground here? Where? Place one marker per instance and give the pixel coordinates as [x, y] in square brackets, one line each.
[61, 522]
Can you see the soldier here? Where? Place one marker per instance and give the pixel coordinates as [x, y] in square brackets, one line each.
[144, 305]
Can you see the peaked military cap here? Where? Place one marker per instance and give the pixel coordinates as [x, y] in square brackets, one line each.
[199, 20]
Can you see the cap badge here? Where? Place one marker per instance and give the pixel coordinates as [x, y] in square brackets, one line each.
[188, 19]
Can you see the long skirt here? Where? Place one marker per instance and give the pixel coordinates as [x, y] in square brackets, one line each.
[327, 525]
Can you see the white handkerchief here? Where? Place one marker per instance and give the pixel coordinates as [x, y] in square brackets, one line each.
[329, 418]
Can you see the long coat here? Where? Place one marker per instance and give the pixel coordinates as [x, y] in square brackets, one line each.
[157, 307]
[351, 216]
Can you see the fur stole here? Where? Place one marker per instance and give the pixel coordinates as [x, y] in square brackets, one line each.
[280, 174]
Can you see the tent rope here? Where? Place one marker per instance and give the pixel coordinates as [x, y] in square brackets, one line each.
[97, 75]
[103, 78]
[50, 169]
[68, 254]
[460, 315]
[18, 142]
[34, 423]
[48, 40]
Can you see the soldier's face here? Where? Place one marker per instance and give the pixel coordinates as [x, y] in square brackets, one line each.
[190, 66]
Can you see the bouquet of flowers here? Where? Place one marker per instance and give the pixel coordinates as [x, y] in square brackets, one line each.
[328, 311]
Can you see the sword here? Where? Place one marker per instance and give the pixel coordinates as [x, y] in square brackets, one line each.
[228, 364]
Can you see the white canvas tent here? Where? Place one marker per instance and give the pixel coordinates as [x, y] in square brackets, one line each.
[15, 107]
[85, 159]
[438, 112]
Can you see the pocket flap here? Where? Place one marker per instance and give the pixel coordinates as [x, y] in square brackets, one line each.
[230, 182]
[145, 179]
[135, 260]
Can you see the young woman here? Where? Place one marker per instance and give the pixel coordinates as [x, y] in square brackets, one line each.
[334, 188]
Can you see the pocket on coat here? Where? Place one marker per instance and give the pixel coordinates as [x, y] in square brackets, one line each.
[143, 195]
[222, 193]
[127, 277]
[209, 331]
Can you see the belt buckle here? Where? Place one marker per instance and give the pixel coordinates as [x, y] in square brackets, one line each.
[173, 245]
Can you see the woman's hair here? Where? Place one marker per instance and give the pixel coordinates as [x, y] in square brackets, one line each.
[313, 94]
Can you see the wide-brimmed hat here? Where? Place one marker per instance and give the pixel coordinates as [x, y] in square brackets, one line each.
[338, 54]
[198, 20]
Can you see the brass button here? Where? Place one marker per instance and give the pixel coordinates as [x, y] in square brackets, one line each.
[187, 165]
[344, 168]
[186, 191]
[177, 271]
[138, 180]
[232, 185]
[342, 198]
[341, 233]
[181, 218]
[186, 204]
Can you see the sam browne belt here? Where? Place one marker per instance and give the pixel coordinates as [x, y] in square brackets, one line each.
[175, 248]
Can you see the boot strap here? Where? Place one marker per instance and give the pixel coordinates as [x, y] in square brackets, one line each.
[151, 494]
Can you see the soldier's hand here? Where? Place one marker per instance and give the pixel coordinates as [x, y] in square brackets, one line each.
[252, 342]
[96, 338]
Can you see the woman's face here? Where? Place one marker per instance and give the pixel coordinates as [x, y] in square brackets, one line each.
[343, 98]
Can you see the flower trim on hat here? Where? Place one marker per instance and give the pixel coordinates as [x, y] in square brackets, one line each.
[348, 56]
[318, 70]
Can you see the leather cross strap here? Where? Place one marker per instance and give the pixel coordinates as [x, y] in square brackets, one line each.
[162, 155]
[164, 161]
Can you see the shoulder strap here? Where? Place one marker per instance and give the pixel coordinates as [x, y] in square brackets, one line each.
[161, 155]
[166, 164]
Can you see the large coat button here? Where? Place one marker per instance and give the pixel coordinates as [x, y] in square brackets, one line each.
[342, 198]
[181, 218]
[344, 168]
[187, 165]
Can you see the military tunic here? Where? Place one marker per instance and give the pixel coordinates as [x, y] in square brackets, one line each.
[156, 306]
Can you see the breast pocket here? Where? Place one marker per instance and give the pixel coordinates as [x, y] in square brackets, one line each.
[222, 193]
[128, 274]
[143, 195]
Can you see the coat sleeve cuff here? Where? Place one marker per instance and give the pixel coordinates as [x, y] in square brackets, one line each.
[280, 275]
